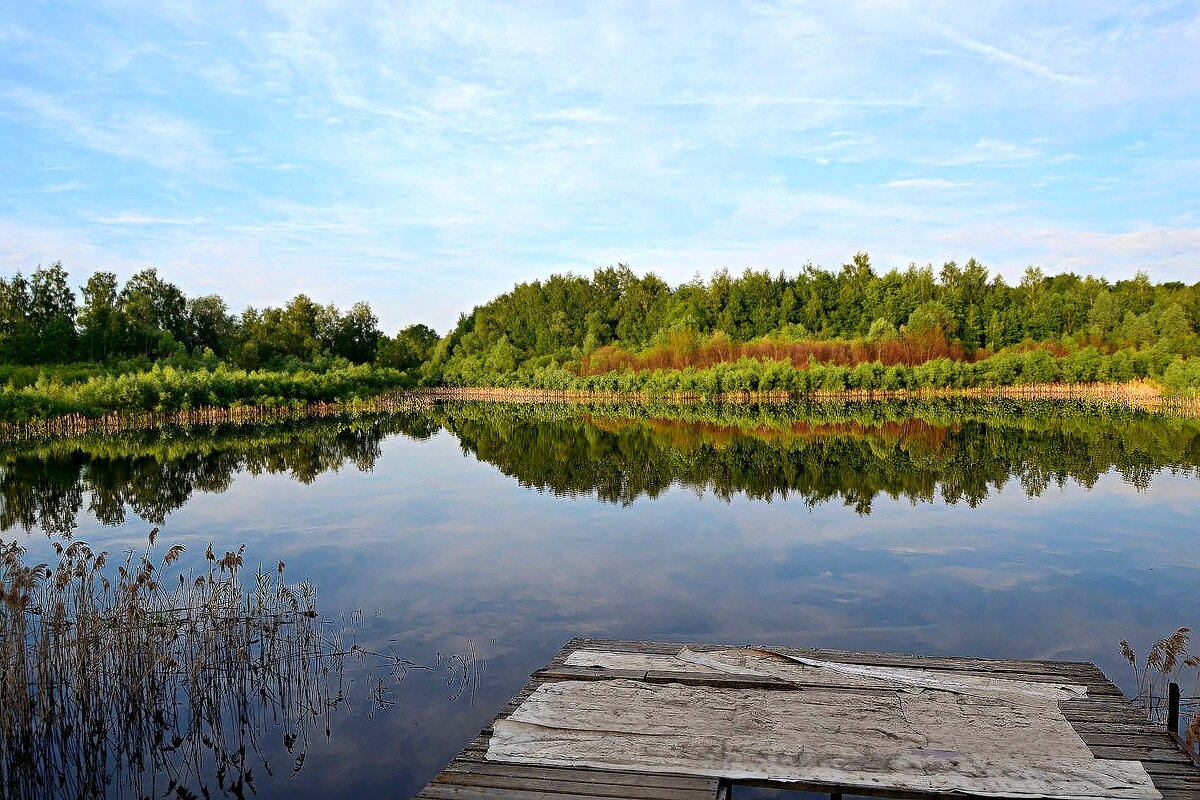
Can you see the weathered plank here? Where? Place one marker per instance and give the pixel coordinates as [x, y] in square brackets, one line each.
[1166, 769]
[1033, 666]
[597, 776]
[1109, 726]
[1143, 754]
[1087, 675]
[564, 783]
[443, 791]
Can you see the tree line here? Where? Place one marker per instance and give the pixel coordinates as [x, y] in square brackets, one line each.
[147, 319]
[617, 321]
[853, 327]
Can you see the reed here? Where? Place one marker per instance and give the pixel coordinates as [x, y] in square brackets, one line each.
[153, 684]
[1168, 661]
[1138, 395]
[118, 422]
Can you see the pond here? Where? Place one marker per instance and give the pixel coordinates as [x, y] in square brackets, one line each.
[458, 547]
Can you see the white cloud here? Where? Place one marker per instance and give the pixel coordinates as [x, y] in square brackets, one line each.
[133, 218]
[1003, 56]
[398, 151]
[154, 138]
[928, 183]
[993, 151]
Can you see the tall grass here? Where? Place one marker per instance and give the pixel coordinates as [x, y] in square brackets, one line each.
[158, 685]
[1169, 661]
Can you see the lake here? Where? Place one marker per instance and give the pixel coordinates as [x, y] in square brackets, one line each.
[459, 547]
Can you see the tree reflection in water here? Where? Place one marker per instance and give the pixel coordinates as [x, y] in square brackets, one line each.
[45, 485]
[947, 451]
[155, 684]
[952, 451]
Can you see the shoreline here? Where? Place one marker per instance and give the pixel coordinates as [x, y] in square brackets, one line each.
[1142, 396]
[1139, 395]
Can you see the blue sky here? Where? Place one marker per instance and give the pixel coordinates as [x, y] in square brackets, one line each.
[426, 156]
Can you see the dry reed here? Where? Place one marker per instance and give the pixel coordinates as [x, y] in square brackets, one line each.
[1168, 661]
[152, 685]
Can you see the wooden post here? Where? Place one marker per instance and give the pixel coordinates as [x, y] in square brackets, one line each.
[1173, 708]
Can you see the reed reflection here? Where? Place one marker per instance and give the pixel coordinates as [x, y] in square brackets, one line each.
[158, 685]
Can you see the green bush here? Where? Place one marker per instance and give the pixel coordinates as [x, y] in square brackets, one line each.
[166, 388]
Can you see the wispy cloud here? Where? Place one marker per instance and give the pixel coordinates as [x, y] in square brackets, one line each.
[994, 152]
[427, 155]
[928, 183]
[144, 219]
[154, 138]
[1003, 56]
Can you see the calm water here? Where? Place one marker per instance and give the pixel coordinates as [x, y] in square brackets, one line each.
[497, 533]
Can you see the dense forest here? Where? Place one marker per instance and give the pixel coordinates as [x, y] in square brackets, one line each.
[146, 345]
[574, 331]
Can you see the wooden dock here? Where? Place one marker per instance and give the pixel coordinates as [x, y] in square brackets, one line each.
[1110, 728]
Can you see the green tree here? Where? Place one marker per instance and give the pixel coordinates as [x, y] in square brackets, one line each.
[52, 313]
[210, 325]
[156, 311]
[18, 340]
[1105, 314]
[101, 322]
[356, 334]
[1136, 329]
[409, 348]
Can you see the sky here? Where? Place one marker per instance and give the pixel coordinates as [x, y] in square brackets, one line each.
[425, 157]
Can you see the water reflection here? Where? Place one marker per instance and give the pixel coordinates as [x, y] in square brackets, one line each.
[969, 546]
[45, 486]
[957, 452]
[180, 685]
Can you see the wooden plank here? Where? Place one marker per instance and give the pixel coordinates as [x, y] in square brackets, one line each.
[863, 791]
[1156, 768]
[1101, 717]
[563, 785]
[1178, 782]
[1143, 754]
[1035, 666]
[572, 673]
[1178, 794]
[717, 680]
[1110, 726]
[442, 791]
[586, 775]
[1080, 673]
[1099, 708]
[1116, 727]
[1149, 740]
[729, 680]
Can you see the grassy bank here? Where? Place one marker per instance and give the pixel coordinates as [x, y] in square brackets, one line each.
[166, 390]
[68, 400]
[1022, 368]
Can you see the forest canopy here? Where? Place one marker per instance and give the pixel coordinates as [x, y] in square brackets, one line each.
[849, 328]
[619, 322]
